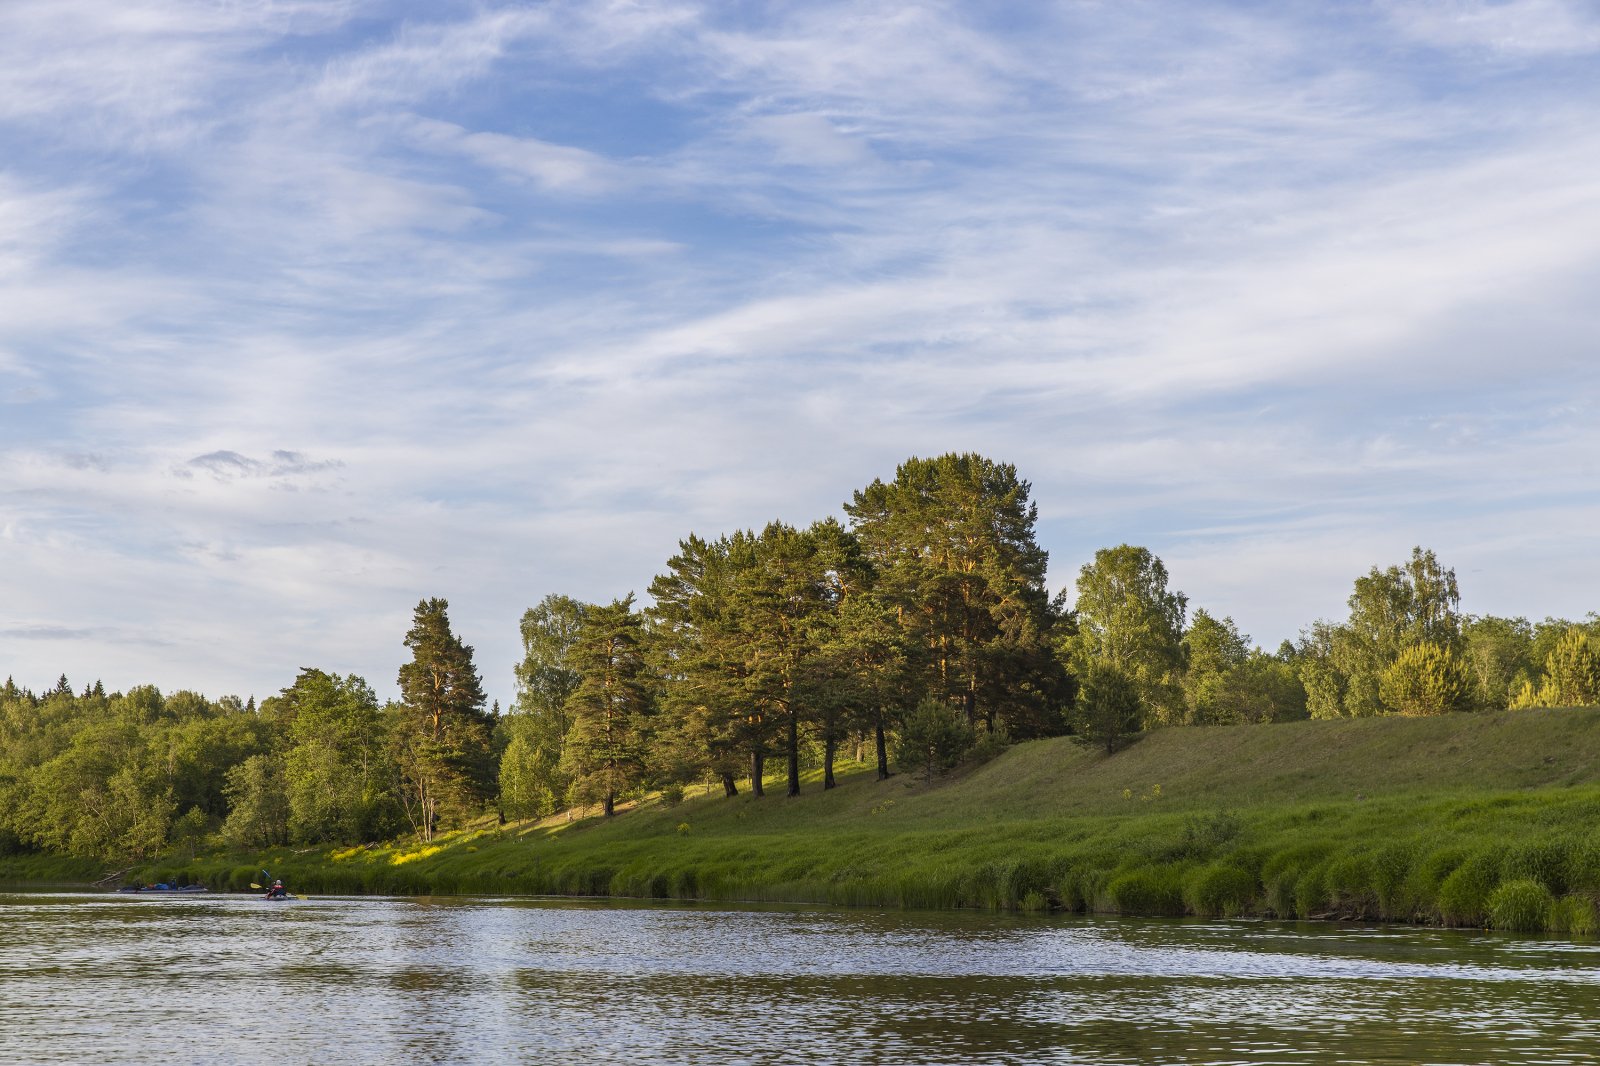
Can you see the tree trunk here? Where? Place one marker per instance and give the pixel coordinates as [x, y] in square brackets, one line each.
[969, 704]
[828, 746]
[758, 761]
[794, 753]
[611, 804]
[728, 787]
[883, 751]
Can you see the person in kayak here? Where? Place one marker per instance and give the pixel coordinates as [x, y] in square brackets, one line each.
[277, 891]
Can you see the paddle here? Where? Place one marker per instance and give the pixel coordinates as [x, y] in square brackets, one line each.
[269, 878]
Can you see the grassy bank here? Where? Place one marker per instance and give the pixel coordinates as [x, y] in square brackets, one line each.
[40, 870]
[1469, 820]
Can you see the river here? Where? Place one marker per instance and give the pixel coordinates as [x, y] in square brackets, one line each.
[227, 979]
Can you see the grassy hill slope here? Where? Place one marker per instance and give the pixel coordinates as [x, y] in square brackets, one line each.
[1471, 819]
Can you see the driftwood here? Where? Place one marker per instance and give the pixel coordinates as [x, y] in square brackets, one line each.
[112, 877]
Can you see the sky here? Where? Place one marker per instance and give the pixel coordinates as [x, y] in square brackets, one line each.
[310, 309]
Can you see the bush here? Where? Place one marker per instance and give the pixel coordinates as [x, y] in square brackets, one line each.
[1204, 835]
[1521, 906]
[1311, 893]
[1109, 707]
[1155, 891]
[933, 739]
[1426, 877]
[1575, 915]
[1349, 885]
[1426, 680]
[1544, 861]
[1083, 888]
[1583, 863]
[1391, 874]
[1220, 889]
[989, 745]
[1280, 893]
[1464, 895]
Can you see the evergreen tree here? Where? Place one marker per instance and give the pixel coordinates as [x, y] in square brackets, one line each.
[440, 731]
[1213, 649]
[784, 597]
[1571, 674]
[607, 747]
[933, 739]
[1426, 679]
[1110, 705]
[696, 650]
[952, 542]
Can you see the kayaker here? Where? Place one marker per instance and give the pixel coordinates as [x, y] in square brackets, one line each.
[277, 891]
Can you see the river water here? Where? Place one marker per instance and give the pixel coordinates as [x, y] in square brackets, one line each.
[119, 979]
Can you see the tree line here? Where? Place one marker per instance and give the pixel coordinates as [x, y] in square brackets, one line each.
[914, 635]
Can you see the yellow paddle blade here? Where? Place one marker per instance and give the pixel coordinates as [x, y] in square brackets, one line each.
[255, 886]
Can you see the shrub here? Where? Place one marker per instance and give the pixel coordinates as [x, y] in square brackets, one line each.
[1204, 835]
[1583, 863]
[1521, 906]
[1220, 889]
[1083, 888]
[1348, 883]
[1544, 861]
[1426, 680]
[1464, 895]
[1149, 890]
[989, 745]
[1423, 882]
[933, 739]
[1310, 892]
[1109, 706]
[1280, 893]
[1391, 872]
[1575, 915]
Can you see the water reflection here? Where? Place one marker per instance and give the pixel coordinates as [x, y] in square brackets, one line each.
[95, 978]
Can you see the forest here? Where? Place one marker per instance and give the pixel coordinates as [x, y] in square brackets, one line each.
[914, 636]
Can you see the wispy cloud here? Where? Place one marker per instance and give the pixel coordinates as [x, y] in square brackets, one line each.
[1522, 28]
[517, 296]
[229, 465]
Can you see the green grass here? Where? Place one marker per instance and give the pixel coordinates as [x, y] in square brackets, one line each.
[39, 870]
[1466, 820]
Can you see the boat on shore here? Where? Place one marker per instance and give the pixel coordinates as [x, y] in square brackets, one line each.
[165, 888]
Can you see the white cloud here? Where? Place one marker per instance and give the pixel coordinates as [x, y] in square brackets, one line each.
[1522, 28]
[809, 140]
[1221, 279]
[552, 166]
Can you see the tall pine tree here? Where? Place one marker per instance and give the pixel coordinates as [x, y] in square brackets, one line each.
[952, 540]
[606, 749]
[440, 730]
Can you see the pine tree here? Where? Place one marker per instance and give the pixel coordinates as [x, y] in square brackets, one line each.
[605, 752]
[696, 651]
[952, 540]
[1426, 679]
[440, 731]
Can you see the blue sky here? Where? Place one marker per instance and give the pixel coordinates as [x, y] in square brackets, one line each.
[313, 308]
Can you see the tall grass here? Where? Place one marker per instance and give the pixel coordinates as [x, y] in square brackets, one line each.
[1465, 823]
